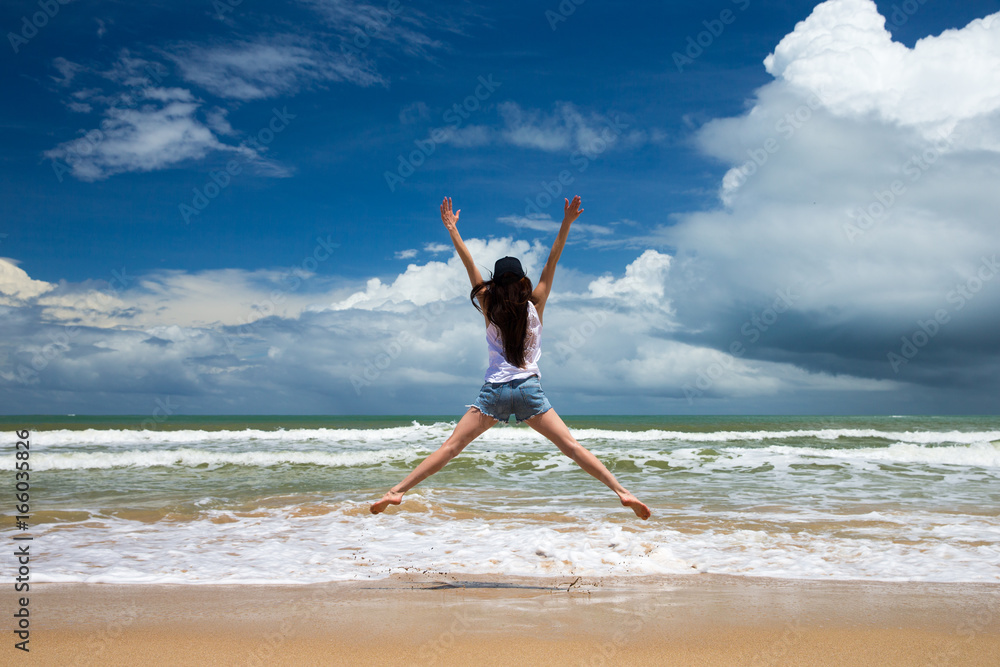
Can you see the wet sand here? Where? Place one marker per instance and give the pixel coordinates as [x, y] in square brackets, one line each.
[443, 619]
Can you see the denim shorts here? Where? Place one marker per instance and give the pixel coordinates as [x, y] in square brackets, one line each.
[522, 397]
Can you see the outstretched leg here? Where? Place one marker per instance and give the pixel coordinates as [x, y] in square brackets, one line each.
[472, 425]
[552, 427]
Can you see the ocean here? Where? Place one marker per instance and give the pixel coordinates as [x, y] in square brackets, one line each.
[204, 500]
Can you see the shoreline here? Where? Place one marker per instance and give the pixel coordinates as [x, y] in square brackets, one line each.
[445, 619]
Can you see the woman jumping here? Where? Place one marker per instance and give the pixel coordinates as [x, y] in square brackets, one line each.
[513, 315]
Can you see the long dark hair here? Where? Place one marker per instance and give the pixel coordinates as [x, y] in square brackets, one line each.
[507, 309]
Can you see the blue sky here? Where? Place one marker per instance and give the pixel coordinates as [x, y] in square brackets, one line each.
[251, 290]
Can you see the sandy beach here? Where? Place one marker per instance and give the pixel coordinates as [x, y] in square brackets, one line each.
[441, 619]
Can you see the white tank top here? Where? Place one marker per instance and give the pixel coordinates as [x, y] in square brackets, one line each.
[500, 369]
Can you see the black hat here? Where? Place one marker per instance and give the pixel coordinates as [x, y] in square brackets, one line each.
[507, 270]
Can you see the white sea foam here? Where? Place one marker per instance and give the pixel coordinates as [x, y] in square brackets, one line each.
[194, 457]
[275, 546]
[917, 437]
[982, 454]
[417, 433]
[137, 437]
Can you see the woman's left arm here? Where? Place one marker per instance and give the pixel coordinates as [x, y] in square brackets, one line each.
[450, 221]
[571, 211]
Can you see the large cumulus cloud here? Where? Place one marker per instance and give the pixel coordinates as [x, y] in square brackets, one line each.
[863, 180]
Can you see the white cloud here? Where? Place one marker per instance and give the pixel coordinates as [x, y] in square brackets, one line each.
[361, 23]
[642, 284]
[850, 198]
[132, 71]
[409, 253]
[87, 307]
[654, 360]
[412, 113]
[162, 131]
[543, 222]
[217, 120]
[225, 297]
[470, 136]
[16, 286]
[436, 281]
[437, 248]
[532, 130]
[260, 67]
[844, 54]
[79, 107]
[267, 67]
[566, 129]
[67, 70]
[213, 298]
[146, 126]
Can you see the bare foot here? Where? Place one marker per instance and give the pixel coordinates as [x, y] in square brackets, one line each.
[640, 509]
[389, 497]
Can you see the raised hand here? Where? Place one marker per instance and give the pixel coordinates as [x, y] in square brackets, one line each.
[572, 211]
[447, 217]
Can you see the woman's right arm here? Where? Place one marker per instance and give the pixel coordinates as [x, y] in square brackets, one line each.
[450, 221]
[571, 211]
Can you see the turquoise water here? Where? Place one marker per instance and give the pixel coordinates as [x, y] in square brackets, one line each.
[258, 499]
